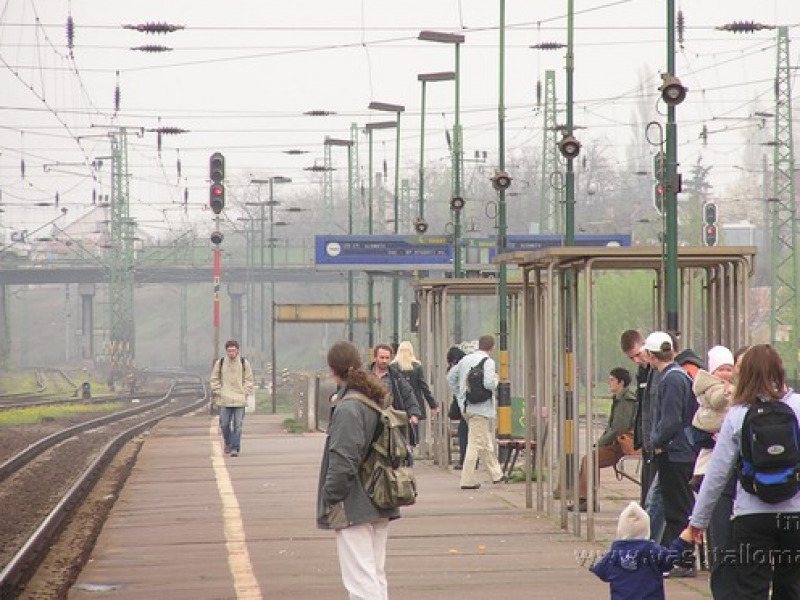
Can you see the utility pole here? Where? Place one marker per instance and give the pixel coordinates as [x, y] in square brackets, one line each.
[122, 349]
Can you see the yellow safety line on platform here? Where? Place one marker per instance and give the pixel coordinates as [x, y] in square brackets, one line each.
[244, 581]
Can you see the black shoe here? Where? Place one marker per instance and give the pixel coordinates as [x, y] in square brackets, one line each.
[457, 467]
[583, 506]
[679, 572]
[503, 479]
[471, 487]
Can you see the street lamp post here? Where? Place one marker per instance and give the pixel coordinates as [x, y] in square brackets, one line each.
[329, 141]
[271, 203]
[398, 110]
[456, 40]
[424, 78]
[370, 282]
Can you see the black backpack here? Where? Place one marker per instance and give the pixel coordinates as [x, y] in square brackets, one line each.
[476, 392]
[770, 461]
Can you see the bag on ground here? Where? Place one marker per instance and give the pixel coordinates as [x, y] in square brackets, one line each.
[770, 461]
[386, 474]
[476, 392]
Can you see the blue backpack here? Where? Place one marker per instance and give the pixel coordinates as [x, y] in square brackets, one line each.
[770, 461]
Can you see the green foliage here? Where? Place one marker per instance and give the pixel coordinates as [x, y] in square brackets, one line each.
[37, 414]
[292, 426]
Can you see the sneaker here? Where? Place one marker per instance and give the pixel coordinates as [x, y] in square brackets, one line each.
[471, 487]
[583, 506]
[503, 479]
[234, 453]
[457, 467]
[227, 449]
[678, 572]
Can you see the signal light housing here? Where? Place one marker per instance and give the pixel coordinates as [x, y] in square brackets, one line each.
[569, 147]
[216, 238]
[710, 235]
[420, 226]
[672, 90]
[501, 180]
[216, 167]
[216, 198]
[456, 203]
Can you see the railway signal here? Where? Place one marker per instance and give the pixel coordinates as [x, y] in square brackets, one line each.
[710, 224]
[216, 173]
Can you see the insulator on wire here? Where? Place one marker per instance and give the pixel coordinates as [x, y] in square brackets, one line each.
[117, 95]
[681, 24]
[319, 113]
[22, 167]
[57, 199]
[744, 27]
[539, 93]
[178, 166]
[70, 34]
[154, 27]
[152, 48]
[158, 142]
[94, 197]
[549, 46]
[186, 195]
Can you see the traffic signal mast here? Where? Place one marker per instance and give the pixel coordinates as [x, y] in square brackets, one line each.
[710, 224]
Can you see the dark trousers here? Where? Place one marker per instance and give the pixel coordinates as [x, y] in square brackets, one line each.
[720, 539]
[677, 495]
[757, 538]
[463, 432]
[648, 473]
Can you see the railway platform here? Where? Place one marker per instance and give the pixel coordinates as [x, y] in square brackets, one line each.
[194, 524]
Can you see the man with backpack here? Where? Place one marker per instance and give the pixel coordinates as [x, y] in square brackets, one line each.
[477, 380]
[231, 382]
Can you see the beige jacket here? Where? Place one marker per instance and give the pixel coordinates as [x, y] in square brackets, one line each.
[712, 399]
[231, 385]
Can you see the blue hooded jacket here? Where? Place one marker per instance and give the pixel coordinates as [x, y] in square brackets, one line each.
[635, 568]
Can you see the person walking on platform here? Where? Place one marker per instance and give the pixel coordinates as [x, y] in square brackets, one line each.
[342, 504]
[411, 369]
[454, 356]
[477, 406]
[231, 382]
[401, 392]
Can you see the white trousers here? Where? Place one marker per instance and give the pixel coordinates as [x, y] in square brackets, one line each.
[362, 558]
[479, 445]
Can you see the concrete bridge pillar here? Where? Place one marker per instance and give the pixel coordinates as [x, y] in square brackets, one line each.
[87, 291]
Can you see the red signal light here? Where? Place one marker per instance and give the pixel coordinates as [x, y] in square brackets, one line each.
[217, 191]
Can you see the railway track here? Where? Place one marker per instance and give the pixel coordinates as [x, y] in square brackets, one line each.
[42, 486]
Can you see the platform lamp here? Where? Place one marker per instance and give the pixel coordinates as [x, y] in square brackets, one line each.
[370, 127]
[397, 109]
[420, 224]
[271, 203]
[329, 141]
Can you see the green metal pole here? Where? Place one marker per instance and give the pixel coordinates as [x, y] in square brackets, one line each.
[370, 282]
[504, 387]
[350, 291]
[421, 201]
[457, 149]
[396, 277]
[671, 197]
[569, 240]
[273, 352]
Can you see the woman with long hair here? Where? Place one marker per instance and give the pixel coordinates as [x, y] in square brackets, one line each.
[766, 536]
[342, 504]
[411, 369]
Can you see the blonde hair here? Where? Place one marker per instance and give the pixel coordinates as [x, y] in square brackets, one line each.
[405, 358]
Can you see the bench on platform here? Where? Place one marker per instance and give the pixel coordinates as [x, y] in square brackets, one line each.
[513, 446]
[629, 467]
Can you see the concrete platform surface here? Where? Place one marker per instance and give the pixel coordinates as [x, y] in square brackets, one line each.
[193, 524]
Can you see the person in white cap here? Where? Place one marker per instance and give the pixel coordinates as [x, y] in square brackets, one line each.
[674, 456]
[634, 566]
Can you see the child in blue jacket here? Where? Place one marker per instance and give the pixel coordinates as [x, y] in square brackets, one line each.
[634, 566]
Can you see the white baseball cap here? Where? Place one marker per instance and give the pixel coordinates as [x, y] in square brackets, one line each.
[656, 340]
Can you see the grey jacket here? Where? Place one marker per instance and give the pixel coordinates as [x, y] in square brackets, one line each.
[341, 499]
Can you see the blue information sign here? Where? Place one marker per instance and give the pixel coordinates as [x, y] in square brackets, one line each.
[409, 252]
[390, 251]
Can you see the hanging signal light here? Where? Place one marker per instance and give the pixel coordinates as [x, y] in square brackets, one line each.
[154, 27]
[744, 27]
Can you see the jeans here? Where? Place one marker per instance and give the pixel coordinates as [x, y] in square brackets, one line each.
[230, 421]
[654, 505]
[720, 538]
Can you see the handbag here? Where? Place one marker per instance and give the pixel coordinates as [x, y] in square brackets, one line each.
[625, 441]
[454, 412]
